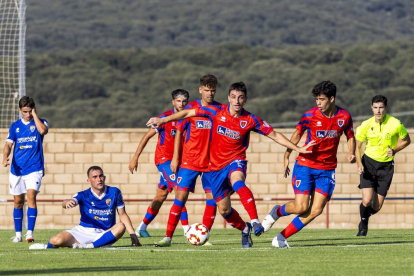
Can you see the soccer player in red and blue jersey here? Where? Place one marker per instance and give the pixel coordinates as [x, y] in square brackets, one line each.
[163, 155]
[313, 177]
[195, 151]
[231, 127]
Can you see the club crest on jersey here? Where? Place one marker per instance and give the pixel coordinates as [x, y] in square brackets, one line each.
[297, 183]
[243, 124]
[17, 131]
[32, 128]
[341, 122]
[172, 177]
[228, 132]
[173, 132]
[108, 202]
[179, 179]
[200, 124]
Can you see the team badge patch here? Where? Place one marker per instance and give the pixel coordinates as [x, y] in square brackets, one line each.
[179, 179]
[243, 124]
[341, 122]
[32, 128]
[297, 183]
[108, 202]
[172, 177]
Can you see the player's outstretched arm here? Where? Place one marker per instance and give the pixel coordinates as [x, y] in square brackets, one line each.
[351, 148]
[69, 203]
[134, 161]
[358, 153]
[282, 140]
[39, 124]
[401, 145]
[295, 140]
[6, 152]
[177, 150]
[124, 218]
[157, 122]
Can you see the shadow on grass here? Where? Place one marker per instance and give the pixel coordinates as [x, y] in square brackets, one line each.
[73, 270]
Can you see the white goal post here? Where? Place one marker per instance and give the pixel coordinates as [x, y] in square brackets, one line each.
[12, 59]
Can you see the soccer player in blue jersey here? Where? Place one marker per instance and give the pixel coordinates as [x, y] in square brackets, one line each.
[27, 167]
[98, 227]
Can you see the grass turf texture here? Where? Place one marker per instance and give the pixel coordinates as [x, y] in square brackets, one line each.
[313, 252]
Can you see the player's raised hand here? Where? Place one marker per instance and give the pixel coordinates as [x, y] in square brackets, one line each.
[304, 149]
[154, 122]
[351, 158]
[390, 152]
[34, 114]
[133, 165]
[70, 203]
[6, 162]
[135, 240]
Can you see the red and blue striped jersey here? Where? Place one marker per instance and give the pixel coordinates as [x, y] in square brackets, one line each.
[166, 135]
[197, 130]
[230, 135]
[326, 132]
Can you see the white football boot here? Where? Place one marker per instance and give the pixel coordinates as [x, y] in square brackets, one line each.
[270, 219]
[280, 242]
[83, 245]
[17, 239]
[38, 246]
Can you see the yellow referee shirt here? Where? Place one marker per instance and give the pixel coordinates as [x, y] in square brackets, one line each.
[379, 136]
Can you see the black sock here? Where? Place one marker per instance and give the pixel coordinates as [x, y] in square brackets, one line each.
[372, 211]
[365, 214]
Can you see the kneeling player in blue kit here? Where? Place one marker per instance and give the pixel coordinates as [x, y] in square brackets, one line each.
[98, 226]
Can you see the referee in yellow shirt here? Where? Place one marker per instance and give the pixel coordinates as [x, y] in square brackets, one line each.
[376, 167]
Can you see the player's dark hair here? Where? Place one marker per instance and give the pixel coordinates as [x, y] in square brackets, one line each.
[238, 86]
[380, 99]
[94, 168]
[180, 93]
[26, 101]
[326, 88]
[209, 81]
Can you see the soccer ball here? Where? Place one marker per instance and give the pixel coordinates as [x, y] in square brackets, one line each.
[197, 234]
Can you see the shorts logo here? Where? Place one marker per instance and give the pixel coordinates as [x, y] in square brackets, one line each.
[297, 183]
[172, 177]
[203, 124]
[341, 122]
[243, 124]
[108, 202]
[228, 132]
[32, 128]
[173, 132]
[179, 179]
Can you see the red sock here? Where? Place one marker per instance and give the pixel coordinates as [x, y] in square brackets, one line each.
[234, 219]
[209, 213]
[174, 217]
[248, 202]
[149, 216]
[295, 226]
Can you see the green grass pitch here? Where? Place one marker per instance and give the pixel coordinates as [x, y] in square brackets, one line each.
[313, 252]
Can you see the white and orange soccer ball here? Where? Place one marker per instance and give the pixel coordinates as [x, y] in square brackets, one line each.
[197, 234]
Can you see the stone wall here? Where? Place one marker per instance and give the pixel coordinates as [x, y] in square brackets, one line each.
[70, 152]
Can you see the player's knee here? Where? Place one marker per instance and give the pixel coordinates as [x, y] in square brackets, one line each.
[119, 229]
[224, 211]
[316, 212]
[160, 198]
[56, 240]
[366, 202]
[300, 208]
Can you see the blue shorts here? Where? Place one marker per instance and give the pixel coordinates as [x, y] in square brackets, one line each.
[220, 180]
[186, 180]
[305, 180]
[167, 179]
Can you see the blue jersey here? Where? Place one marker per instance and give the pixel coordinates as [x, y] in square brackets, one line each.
[28, 147]
[99, 212]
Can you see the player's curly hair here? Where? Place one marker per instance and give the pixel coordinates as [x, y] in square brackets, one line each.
[209, 81]
[380, 99]
[326, 88]
[238, 86]
[26, 101]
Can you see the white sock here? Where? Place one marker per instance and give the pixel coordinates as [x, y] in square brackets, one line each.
[142, 226]
[246, 229]
[255, 220]
[168, 239]
[18, 234]
[29, 232]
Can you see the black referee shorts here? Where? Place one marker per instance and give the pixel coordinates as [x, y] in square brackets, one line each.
[377, 175]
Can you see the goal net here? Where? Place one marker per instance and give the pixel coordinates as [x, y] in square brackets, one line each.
[12, 58]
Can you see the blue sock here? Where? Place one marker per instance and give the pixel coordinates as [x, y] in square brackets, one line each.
[31, 218]
[49, 246]
[106, 238]
[18, 219]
